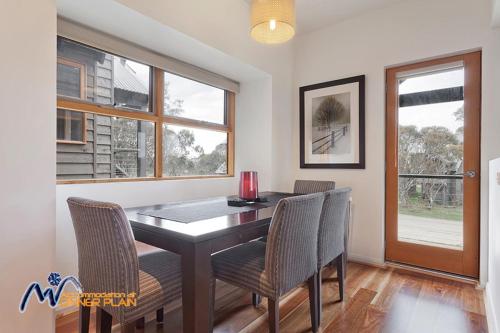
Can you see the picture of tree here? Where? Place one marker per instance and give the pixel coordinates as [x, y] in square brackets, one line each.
[330, 112]
[331, 117]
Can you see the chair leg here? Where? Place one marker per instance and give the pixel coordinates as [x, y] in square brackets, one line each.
[341, 275]
[84, 319]
[103, 321]
[159, 315]
[140, 323]
[313, 301]
[256, 299]
[129, 327]
[319, 295]
[344, 259]
[273, 309]
[212, 303]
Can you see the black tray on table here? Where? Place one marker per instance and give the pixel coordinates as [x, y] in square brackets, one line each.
[238, 202]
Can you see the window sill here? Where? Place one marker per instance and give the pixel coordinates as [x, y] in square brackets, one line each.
[69, 142]
[141, 179]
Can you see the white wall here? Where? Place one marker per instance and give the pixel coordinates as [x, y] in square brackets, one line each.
[495, 16]
[27, 165]
[406, 32]
[493, 286]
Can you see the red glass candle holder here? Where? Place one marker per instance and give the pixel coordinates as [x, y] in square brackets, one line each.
[249, 185]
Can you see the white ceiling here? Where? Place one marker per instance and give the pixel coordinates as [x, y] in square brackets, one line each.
[316, 14]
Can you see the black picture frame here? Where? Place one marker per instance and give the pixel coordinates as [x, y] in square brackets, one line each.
[360, 79]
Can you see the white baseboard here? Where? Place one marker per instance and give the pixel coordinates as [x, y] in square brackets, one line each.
[490, 311]
[366, 260]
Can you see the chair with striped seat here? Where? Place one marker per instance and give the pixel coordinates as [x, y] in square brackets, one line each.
[288, 259]
[108, 263]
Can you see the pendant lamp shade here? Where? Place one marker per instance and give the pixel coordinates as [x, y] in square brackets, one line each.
[272, 21]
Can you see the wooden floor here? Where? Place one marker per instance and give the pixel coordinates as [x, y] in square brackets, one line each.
[377, 300]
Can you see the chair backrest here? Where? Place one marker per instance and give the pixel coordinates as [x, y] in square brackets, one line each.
[107, 257]
[331, 242]
[312, 186]
[291, 250]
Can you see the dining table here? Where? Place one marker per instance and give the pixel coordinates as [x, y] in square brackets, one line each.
[195, 230]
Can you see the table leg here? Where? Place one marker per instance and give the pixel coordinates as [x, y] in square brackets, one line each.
[196, 278]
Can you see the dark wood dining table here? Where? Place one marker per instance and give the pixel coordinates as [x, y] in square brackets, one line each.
[197, 240]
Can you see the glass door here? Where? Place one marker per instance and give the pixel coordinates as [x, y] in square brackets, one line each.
[432, 180]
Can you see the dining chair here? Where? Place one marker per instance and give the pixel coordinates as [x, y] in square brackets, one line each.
[108, 263]
[301, 187]
[331, 245]
[312, 186]
[287, 259]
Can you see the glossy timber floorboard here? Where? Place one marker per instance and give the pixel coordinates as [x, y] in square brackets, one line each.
[377, 300]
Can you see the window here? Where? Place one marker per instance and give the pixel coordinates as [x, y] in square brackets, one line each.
[98, 77]
[120, 119]
[193, 151]
[133, 147]
[190, 99]
[195, 136]
[70, 78]
[71, 126]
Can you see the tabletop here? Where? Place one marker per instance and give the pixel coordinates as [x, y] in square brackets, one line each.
[148, 218]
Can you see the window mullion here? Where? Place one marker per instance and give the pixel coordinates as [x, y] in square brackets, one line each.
[158, 92]
[230, 114]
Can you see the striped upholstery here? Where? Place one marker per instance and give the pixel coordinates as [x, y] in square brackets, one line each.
[312, 186]
[160, 282]
[108, 261]
[290, 255]
[331, 241]
[244, 266]
[309, 187]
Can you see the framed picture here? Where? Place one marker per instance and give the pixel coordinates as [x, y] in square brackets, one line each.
[332, 124]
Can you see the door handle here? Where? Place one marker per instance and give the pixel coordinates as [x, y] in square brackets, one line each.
[468, 173]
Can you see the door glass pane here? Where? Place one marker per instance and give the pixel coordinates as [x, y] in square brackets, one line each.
[431, 125]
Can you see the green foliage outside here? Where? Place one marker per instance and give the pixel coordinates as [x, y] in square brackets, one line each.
[417, 207]
[431, 150]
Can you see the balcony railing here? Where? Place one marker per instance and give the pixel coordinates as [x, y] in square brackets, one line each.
[408, 175]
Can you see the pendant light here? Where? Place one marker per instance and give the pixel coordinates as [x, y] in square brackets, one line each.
[272, 21]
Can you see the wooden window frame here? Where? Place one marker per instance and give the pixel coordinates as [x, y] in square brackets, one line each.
[158, 118]
[83, 85]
